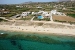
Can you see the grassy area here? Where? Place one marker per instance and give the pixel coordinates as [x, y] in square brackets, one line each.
[27, 17]
[65, 21]
[73, 15]
[72, 8]
[60, 21]
[8, 14]
[3, 20]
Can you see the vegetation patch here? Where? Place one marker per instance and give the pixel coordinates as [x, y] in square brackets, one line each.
[73, 15]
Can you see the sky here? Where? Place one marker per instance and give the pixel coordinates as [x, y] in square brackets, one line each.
[22, 1]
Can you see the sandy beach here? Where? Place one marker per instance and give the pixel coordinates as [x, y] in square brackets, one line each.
[41, 29]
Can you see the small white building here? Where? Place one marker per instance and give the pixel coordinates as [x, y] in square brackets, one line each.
[38, 7]
[19, 6]
[24, 14]
[45, 13]
[34, 13]
[54, 12]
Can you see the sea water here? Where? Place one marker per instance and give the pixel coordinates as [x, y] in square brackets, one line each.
[29, 41]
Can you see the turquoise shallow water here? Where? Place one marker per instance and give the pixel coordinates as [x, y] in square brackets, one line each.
[28, 41]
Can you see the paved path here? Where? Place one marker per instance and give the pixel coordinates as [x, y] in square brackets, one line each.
[4, 18]
[32, 18]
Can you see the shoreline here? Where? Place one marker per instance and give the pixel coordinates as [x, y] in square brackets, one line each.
[39, 33]
[38, 29]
